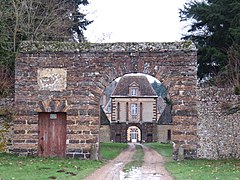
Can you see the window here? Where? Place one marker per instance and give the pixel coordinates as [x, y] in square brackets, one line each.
[133, 91]
[133, 109]
[134, 135]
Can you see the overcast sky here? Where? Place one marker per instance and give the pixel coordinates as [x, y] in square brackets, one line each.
[134, 20]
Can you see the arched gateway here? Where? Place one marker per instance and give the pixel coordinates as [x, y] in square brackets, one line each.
[59, 84]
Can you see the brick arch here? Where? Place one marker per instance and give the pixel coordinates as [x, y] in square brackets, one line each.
[52, 106]
[134, 124]
[143, 128]
[85, 70]
[139, 127]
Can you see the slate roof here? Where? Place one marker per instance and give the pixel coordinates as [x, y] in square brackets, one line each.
[103, 118]
[145, 88]
[166, 116]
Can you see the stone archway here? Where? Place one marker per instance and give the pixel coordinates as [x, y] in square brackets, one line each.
[85, 70]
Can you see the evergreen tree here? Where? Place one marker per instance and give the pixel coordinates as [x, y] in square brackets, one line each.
[80, 21]
[215, 29]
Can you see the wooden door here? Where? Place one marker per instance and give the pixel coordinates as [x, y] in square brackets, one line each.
[118, 138]
[52, 134]
[134, 136]
[149, 137]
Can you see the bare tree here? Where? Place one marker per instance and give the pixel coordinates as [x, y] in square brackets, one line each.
[233, 66]
[230, 74]
[41, 20]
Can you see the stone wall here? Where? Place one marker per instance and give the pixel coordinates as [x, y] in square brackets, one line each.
[50, 82]
[148, 131]
[104, 133]
[7, 103]
[218, 123]
[70, 77]
[6, 126]
[162, 133]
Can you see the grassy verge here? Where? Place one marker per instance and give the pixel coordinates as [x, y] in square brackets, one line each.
[22, 168]
[163, 149]
[111, 150]
[205, 169]
[200, 169]
[137, 159]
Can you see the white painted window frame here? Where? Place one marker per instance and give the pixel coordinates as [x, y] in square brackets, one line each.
[134, 109]
[133, 91]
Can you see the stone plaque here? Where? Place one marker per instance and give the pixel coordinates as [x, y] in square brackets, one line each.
[52, 79]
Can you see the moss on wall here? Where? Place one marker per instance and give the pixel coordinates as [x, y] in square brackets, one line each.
[55, 46]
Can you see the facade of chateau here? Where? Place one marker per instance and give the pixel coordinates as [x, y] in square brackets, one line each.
[134, 110]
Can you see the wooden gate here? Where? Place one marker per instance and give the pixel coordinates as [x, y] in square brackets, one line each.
[52, 134]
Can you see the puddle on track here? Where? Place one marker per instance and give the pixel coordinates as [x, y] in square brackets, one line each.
[137, 174]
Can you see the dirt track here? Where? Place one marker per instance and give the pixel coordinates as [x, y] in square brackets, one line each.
[152, 168]
[111, 171]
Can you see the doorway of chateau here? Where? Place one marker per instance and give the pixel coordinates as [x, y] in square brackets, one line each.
[134, 134]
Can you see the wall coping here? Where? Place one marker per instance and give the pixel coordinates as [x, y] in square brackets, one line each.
[56, 46]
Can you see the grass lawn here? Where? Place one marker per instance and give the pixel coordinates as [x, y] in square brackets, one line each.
[205, 169]
[111, 150]
[14, 167]
[201, 169]
[34, 168]
[163, 149]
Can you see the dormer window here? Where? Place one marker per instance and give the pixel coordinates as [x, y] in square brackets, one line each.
[133, 91]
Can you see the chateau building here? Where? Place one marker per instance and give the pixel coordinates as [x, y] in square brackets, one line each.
[134, 112]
